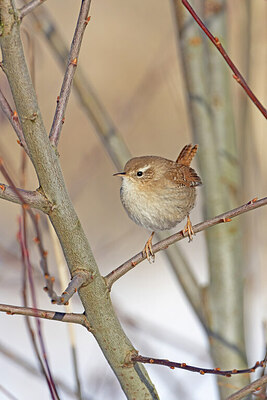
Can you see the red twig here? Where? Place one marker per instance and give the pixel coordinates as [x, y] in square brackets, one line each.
[38, 239]
[22, 238]
[202, 371]
[49, 280]
[237, 75]
[14, 120]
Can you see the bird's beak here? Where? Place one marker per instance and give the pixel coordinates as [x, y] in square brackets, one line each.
[119, 174]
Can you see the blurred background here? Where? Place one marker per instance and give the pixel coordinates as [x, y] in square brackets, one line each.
[129, 57]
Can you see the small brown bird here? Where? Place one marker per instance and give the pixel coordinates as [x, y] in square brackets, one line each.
[158, 193]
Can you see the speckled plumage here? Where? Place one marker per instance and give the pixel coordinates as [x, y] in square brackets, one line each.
[158, 193]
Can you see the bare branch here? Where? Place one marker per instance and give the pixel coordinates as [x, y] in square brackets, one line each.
[7, 393]
[42, 354]
[14, 120]
[69, 74]
[45, 314]
[237, 75]
[163, 244]
[202, 371]
[33, 199]
[79, 279]
[31, 368]
[28, 8]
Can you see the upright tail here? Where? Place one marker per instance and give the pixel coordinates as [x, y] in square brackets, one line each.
[187, 154]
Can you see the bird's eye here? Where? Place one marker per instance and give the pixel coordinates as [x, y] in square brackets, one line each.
[139, 173]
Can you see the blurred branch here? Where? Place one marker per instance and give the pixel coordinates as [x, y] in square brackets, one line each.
[209, 110]
[27, 273]
[73, 318]
[113, 276]
[69, 74]
[253, 387]
[245, 115]
[7, 393]
[93, 107]
[25, 254]
[237, 75]
[187, 280]
[28, 8]
[27, 269]
[29, 367]
[38, 239]
[13, 118]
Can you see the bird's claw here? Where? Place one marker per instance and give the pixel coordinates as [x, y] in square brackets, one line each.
[188, 228]
[148, 251]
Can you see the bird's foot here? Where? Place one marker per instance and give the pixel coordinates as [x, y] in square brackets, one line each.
[188, 229]
[148, 251]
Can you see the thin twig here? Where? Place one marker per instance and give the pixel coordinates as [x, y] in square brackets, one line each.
[202, 371]
[49, 280]
[14, 120]
[7, 393]
[30, 367]
[26, 268]
[78, 280]
[163, 244]
[69, 74]
[28, 8]
[73, 318]
[24, 286]
[251, 388]
[237, 75]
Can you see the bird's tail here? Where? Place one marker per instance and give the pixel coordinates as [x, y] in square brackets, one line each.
[187, 154]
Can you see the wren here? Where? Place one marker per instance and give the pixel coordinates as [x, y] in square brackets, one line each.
[158, 193]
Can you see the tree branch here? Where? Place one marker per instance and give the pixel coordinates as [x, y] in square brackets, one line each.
[79, 279]
[237, 75]
[28, 8]
[113, 276]
[202, 371]
[45, 314]
[33, 199]
[63, 98]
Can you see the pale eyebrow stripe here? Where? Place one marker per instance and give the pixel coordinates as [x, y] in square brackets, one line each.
[143, 169]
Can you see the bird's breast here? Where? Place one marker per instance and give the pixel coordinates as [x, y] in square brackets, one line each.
[156, 208]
